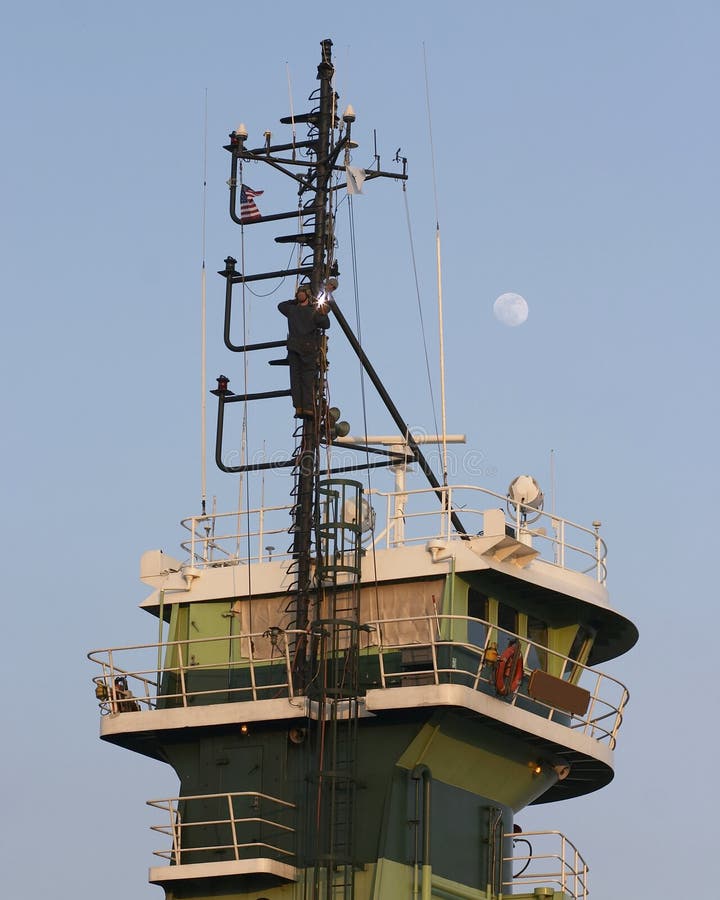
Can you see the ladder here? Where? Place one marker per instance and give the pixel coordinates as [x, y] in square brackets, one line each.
[334, 688]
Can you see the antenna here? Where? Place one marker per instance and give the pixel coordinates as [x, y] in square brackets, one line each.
[438, 254]
[203, 328]
[292, 110]
[553, 520]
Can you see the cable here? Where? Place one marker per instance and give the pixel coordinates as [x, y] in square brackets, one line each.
[277, 286]
[419, 303]
[530, 853]
[353, 257]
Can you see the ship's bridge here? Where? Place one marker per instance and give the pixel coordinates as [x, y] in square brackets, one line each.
[533, 558]
[438, 614]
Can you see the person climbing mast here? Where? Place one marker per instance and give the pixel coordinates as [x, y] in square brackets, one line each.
[306, 322]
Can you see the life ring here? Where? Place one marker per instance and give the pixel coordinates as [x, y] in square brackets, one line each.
[509, 670]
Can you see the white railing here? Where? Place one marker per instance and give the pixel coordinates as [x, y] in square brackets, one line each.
[451, 661]
[411, 518]
[557, 540]
[241, 825]
[223, 539]
[550, 860]
[258, 666]
[171, 673]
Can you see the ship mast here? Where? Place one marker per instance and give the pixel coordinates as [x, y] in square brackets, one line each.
[307, 478]
[311, 163]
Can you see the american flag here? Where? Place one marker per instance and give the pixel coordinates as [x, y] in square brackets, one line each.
[248, 210]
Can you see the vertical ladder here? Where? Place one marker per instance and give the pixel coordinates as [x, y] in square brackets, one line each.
[335, 689]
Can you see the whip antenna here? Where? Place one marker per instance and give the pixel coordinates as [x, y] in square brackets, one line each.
[292, 110]
[439, 278]
[203, 328]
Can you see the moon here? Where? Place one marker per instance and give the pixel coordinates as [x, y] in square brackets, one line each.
[510, 309]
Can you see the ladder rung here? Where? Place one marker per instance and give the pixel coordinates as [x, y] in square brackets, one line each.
[263, 395]
[262, 467]
[271, 218]
[238, 278]
[306, 238]
[275, 148]
[309, 117]
[265, 345]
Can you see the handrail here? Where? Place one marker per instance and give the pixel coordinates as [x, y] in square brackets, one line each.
[145, 688]
[181, 820]
[561, 542]
[608, 696]
[447, 660]
[567, 869]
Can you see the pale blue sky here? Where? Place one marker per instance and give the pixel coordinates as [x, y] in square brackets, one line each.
[577, 147]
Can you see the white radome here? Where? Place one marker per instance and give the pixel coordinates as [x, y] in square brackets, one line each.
[510, 309]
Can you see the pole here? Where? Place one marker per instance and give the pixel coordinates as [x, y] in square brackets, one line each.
[304, 510]
[393, 410]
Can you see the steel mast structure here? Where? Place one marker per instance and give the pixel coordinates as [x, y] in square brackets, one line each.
[326, 548]
[314, 177]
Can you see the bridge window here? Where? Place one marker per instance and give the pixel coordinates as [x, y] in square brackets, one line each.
[477, 608]
[508, 620]
[537, 631]
[579, 651]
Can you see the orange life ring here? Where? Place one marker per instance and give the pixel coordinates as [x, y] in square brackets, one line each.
[509, 670]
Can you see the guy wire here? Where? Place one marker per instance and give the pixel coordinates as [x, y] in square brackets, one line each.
[356, 290]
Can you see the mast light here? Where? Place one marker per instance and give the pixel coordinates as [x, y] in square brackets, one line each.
[222, 389]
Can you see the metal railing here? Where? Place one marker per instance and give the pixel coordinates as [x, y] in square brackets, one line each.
[398, 652]
[411, 518]
[172, 673]
[235, 826]
[557, 540]
[449, 660]
[550, 860]
[222, 539]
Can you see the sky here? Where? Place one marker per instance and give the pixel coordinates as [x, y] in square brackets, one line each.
[575, 148]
